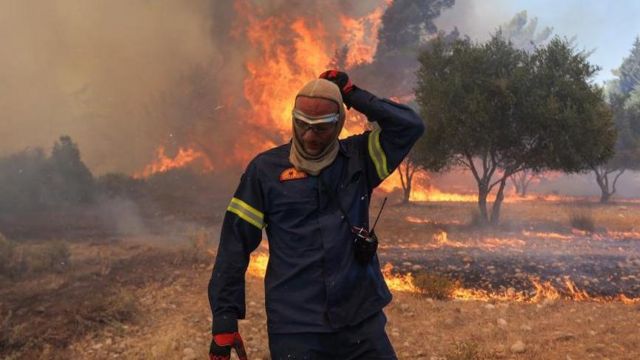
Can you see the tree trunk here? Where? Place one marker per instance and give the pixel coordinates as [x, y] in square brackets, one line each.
[602, 177]
[517, 186]
[406, 169]
[603, 182]
[483, 192]
[406, 191]
[523, 192]
[497, 204]
[521, 181]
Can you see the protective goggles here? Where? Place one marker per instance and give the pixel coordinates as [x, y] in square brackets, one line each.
[317, 124]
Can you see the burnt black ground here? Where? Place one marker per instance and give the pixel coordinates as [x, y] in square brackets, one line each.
[599, 265]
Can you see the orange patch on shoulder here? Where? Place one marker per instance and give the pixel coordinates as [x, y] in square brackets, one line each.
[292, 174]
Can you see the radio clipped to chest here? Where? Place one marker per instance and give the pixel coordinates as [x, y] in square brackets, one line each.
[365, 241]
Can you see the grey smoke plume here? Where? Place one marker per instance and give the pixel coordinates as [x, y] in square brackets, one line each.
[84, 69]
[476, 19]
[406, 26]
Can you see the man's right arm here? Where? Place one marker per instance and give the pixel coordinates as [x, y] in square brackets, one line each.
[241, 234]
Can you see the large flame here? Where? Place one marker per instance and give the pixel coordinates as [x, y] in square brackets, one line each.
[286, 52]
[290, 52]
[184, 157]
[360, 36]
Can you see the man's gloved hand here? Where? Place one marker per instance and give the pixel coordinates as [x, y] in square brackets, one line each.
[342, 80]
[221, 345]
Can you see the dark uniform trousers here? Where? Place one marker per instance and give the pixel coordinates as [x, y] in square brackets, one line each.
[363, 341]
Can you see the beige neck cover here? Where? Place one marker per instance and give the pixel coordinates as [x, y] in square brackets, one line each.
[301, 160]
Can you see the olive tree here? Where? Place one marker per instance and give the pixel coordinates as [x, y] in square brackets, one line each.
[497, 110]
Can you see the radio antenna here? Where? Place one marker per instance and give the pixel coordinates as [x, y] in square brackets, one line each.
[379, 213]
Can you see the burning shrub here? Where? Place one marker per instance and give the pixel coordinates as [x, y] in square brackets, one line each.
[434, 286]
[582, 220]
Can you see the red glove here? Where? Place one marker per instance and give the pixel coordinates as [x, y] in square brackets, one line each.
[221, 345]
[341, 79]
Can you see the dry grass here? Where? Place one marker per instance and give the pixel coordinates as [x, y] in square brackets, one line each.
[198, 248]
[53, 255]
[21, 260]
[434, 286]
[112, 309]
[6, 254]
[516, 216]
[582, 221]
[467, 350]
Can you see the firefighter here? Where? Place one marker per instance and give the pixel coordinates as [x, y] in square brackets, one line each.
[324, 293]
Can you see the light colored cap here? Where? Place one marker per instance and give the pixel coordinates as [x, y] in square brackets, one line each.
[323, 89]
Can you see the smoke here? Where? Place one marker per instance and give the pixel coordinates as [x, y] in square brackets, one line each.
[476, 19]
[406, 27]
[122, 77]
[85, 68]
[121, 216]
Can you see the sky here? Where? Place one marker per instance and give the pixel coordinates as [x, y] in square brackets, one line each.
[609, 27]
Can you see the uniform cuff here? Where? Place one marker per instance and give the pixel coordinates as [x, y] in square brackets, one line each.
[224, 323]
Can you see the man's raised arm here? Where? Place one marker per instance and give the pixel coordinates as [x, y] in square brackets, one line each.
[399, 126]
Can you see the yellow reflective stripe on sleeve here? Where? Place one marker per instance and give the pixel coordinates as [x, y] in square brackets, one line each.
[377, 155]
[246, 212]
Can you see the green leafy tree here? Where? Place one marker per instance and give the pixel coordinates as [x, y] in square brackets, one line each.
[497, 110]
[624, 98]
[524, 34]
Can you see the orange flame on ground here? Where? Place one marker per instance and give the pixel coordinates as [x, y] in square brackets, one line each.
[183, 158]
[547, 235]
[398, 282]
[258, 264]
[421, 190]
[543, 291]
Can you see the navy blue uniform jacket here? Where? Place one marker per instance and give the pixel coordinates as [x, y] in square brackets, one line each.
[313, 282]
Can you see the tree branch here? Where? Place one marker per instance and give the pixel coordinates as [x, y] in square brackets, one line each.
[472, 166]
[507, 173]
[615, 180]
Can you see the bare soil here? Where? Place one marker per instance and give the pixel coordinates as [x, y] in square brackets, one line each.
[144, 297]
